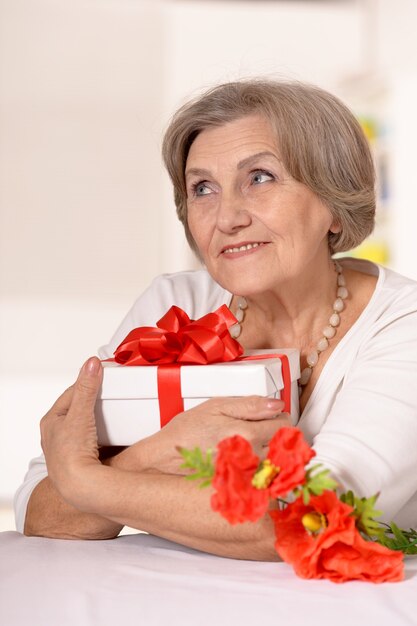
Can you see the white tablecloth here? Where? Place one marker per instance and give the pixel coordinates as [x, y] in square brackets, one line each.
[143, 580]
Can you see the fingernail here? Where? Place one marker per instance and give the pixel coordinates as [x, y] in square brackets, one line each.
[275, 404]
[92, 366]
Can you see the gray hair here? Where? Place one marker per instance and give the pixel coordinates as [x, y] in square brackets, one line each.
[321, 144]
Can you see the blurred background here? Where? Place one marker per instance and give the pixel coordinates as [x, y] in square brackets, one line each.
[86, 212]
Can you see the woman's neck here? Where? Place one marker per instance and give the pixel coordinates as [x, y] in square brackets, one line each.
[296, 311]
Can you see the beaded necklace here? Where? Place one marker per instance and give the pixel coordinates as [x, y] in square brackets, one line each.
[327, 333]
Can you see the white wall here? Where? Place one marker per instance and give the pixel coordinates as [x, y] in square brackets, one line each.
[210, 41]
[86, 213]
[80, 191]
[396, 44]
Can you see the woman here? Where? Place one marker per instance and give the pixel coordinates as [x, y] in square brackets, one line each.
[270, 180]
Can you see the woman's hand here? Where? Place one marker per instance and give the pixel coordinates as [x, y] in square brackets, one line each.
[68, 430]
[254, 417]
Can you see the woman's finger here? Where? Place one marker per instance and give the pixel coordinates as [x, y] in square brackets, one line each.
[86, 388]
[247, 407]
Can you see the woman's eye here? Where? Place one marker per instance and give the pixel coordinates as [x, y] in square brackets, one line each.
[261, 176]
[201, 189]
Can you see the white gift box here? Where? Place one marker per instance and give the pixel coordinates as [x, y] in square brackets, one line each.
[127, 408]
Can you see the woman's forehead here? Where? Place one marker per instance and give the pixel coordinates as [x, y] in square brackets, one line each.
[238, 140]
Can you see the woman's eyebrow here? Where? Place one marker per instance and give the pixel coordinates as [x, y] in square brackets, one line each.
[255, 157]
[197, 171]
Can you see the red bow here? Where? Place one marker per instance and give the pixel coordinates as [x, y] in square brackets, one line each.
[177, 339]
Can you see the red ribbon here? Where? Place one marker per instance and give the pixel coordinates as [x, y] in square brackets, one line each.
[177, 340]
[286, 375]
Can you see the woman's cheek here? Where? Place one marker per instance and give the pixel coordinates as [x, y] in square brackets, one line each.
[200, 223]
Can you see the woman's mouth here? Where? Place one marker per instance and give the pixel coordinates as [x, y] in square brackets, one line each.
[244, 247]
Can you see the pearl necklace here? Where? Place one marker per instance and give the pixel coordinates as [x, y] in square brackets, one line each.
[327, 333]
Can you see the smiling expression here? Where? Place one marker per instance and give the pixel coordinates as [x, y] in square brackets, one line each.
[256, 228]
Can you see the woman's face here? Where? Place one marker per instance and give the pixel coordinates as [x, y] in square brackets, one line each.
[256, 227]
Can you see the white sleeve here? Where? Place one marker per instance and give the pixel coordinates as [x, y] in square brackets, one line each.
[36, 472]
[369, 439]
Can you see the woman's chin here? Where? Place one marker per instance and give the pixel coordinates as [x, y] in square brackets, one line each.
[245, 284]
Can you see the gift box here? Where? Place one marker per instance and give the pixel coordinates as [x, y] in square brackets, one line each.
[129, 405]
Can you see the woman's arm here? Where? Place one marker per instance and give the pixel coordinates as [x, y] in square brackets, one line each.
[48, 515]
[141, 486]
[169, 506]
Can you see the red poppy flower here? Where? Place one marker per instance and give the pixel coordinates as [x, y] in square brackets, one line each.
[236, 499]
[244, 485]
[288, 451]
[336, 551]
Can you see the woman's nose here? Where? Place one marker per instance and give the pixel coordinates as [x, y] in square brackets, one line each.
[232, 215]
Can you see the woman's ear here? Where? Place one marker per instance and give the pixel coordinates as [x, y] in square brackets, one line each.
[335, 227]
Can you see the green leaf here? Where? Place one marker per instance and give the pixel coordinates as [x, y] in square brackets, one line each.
[398, 534]
[348, 498]
[201, 463]
[388, 535]
[387, 542]
[365, 513]
[306, 494]
[318, 482]
[398, 539]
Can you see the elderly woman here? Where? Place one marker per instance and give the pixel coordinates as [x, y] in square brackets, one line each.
[270, 180]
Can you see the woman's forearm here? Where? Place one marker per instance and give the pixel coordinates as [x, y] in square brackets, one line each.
[48, 515]
[170, 507]
[130, 493]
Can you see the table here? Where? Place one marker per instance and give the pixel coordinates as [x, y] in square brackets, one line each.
[144, 580]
